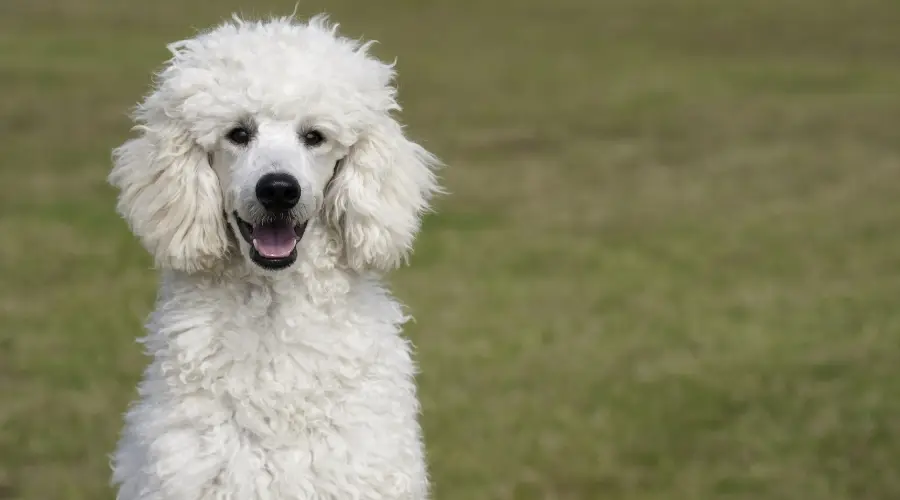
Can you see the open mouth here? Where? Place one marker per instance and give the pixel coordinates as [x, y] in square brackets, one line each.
[273, 242]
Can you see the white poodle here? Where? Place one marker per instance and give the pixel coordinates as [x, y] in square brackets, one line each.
[273, 187]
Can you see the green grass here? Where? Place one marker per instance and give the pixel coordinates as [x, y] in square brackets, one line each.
[668, 269]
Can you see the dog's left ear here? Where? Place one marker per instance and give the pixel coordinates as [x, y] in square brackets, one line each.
[378, 196]
[171, 198]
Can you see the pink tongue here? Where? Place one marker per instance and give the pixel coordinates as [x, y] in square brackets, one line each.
[274, 240]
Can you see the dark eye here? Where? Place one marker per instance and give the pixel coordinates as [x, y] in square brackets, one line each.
[239, 135]
[312, 138]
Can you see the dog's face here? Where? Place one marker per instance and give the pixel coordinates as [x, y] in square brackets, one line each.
[258, 132]
[273, 174]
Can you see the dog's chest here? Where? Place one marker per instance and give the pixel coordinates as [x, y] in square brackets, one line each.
[306, 407]
[275, 400]
[286, 376]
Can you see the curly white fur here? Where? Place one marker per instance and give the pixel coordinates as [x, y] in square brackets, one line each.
[288, 384]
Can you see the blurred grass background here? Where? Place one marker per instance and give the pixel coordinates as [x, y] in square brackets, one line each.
[669, 267]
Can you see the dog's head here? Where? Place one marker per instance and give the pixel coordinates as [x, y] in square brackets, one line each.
[256, 131]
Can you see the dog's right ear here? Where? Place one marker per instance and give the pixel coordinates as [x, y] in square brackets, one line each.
[171, 198]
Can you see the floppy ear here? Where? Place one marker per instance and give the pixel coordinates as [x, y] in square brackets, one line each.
[378, 196]
[171, 198]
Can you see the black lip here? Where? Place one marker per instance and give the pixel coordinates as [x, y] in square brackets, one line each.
[272, 264]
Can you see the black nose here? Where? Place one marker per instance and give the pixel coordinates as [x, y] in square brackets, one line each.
[278, 191]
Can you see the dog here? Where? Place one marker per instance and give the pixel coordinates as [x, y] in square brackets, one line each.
[274, 188]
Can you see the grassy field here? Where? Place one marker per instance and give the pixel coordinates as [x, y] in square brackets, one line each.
[669, 268]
